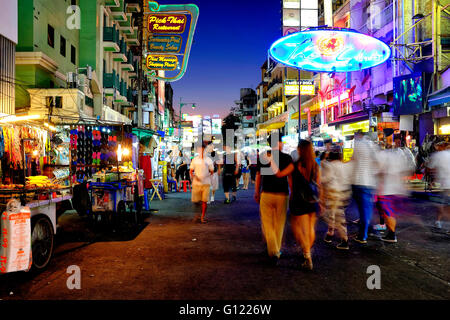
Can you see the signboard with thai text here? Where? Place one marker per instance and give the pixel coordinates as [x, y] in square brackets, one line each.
[168, 37]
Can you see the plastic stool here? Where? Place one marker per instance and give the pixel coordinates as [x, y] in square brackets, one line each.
[146, 204]
[185, 183]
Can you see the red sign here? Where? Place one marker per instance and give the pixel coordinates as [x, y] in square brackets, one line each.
[166, 23]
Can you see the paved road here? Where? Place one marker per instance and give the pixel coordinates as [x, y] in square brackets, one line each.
[174, 258]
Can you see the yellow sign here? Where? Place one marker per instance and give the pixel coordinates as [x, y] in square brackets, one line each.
[306, 89]
[347, 154]
[162, 62]
[349, 129]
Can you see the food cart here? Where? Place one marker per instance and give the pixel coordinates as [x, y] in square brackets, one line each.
[29, 174]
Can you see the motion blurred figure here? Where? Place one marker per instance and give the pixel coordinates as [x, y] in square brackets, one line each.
[440, 162]
[336, 195]
[365, 168]
[395, 165]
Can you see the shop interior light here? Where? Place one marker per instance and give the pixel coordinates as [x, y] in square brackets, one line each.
[126, 152]
[19, 118]
[51, 127]
[445, 129]
[35, 153]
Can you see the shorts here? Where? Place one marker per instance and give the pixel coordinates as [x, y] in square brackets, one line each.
[200, 193]
[229, 182]
[386, 205]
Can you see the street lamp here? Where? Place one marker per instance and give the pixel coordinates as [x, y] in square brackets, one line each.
[182, 104]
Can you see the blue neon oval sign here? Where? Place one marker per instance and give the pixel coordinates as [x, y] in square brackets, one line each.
[330, 50]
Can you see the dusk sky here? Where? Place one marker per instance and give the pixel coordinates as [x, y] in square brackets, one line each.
[230, 45]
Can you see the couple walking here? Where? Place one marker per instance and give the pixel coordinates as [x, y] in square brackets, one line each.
[276, 175]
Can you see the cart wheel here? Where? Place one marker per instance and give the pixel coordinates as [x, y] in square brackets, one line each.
[42, 238]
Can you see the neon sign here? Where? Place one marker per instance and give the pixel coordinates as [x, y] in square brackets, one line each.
[330, 50]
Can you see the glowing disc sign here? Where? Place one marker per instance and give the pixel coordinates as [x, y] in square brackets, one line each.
[330, 50]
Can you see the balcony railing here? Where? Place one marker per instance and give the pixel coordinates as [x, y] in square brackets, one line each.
[274, 82]
[111, 34]
[275, 100]
[89, 101]
[111, 80]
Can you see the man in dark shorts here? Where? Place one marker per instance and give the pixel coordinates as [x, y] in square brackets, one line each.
[229, 167]
[272, 194]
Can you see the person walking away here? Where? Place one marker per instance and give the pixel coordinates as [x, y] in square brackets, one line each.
[440, 163]
[253, 165]
[201, 169]
[230, 169]
[304, 200]
[336, 195]
[365, 169]
[246, 171]
[215, 177]
[272, 195]
[239, 173]
[394, 167]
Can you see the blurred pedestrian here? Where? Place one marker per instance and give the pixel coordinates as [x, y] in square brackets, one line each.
[201, 169]
[440, 163]
[253, 164]
[365, 169]
[214, 177]
[336, 196]
[246, 171]
[394, 167]
[229, 167]
[272, 195]
[304, 180]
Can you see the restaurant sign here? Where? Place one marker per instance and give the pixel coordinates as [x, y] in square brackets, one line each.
[166, 23]
[168, 37]
[306, 87]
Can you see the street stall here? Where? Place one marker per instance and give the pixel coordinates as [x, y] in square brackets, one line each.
[104, 158]
[32, 191]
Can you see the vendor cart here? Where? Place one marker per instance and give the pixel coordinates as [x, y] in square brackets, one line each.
[117, 201]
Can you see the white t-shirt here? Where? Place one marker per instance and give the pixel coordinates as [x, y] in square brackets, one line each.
[201, 168]
[336, 175]
[441, 162]
[394, 166]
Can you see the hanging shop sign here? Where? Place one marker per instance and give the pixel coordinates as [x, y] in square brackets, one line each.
[168, 36]
[166, 23]
[345, 96]
[330, 50]
[306, 87]
[162, 62]
[349, 129]
[163, 44]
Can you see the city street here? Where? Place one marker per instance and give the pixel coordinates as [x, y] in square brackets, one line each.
[175, 258]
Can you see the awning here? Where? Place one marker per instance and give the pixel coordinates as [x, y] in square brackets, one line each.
[275, 126]
[439, 97]
[143, 133]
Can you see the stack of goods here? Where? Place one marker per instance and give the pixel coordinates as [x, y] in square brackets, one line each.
[40, 182]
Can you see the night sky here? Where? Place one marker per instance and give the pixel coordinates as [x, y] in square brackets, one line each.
[230, 45]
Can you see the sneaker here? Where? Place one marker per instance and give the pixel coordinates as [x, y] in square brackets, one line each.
[343, 245]
[328, 238]
[233, 199]
[227, 201]
[359, 240]
[390, 237]
[379, 227]
[212, 198]
[438, 224]
[374, 234]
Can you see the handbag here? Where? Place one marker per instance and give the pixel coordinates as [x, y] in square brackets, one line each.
[310, 191]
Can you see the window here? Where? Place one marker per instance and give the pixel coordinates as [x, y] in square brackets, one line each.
[55, 102]
[73, 55]
[52, 84]
[62, 48]
[73, 2]
[51, 36]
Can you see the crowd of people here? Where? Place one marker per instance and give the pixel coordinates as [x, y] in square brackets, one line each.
[311, 185]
